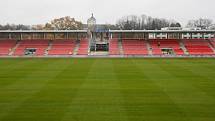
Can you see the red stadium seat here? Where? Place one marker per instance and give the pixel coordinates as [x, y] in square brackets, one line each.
[198, 47]
[114, 47]
[62, 47]
[157, 46]
[83, 48]
[134, 47]
[39, 45]
[6, 46]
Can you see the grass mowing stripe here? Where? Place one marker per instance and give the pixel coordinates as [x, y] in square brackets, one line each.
[185, 95]
[12, 63]
[204, 77]
[201, 104]
[143, 98]
[98, 98]
[199, 74]
[108, 89]
[149, 69]
[52, 100]
[13, 72]
[16, 95]
[26, 68]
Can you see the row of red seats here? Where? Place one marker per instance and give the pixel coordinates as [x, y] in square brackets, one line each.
[134, 47]
[6, 46]
[114, 47]
[83, 47]
[198, 47]
[158, 45]
[39, 45]
[130, 47]
[62, 47]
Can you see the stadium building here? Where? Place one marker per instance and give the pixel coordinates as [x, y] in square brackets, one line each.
[97, 40]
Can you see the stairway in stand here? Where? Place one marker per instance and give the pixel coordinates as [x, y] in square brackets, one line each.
[77, 45]
[14, 48]
[183, 47]
[48, 48]
[148, 47]
[120, 47]
[211, 45]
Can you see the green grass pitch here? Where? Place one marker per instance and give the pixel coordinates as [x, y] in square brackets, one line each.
[107, 89]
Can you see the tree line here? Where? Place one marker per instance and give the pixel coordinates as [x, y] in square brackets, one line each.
[63, 23]
[130, 22]
[143, 22]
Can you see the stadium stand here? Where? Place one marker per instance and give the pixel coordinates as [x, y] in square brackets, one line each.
[6, 46]
[129, 47]
[134, 47]
[39, 45]
[114, 47]
[62, 47]
[157, 46]
[83, 47]
[198, 47]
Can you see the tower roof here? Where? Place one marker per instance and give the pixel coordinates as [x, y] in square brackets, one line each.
[91, 19]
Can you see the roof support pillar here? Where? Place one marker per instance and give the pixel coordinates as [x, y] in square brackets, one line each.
[178, 36]
[32, 35]
[144, 36]
[147, 36]
[120, 36]
[54, 36]
[203, 35]
[9, 36]
[101, 36]
[67, 35]
[77, 36]
[44, 35]
[20, 36]
[167, 35]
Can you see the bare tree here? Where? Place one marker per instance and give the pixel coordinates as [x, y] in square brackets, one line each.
[200, 23]
[15, 27]
[143, 22]
[38, 27]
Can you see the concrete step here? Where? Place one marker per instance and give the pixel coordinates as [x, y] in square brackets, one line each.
[120, 47]
[148, 47]
[14, 48]
[48, 48]
[211, 45]
[181, 43]
[77, 45]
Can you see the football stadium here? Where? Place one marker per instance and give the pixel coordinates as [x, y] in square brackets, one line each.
[98, 41]
[101, 74]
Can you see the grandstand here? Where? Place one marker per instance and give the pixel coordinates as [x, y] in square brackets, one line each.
[115, 42]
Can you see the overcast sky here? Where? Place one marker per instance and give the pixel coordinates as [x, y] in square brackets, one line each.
[105, 11]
